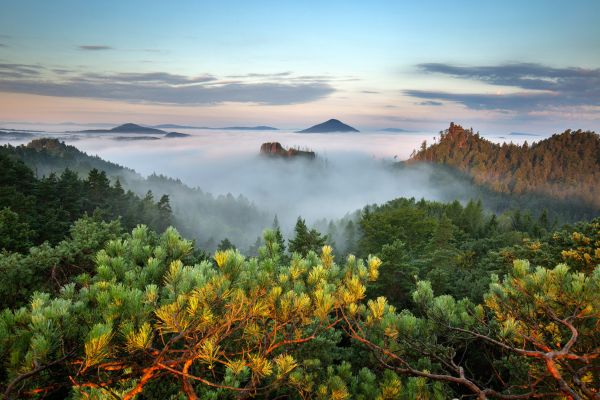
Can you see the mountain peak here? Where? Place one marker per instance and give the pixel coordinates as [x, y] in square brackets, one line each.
[128, 125]
[332, 125]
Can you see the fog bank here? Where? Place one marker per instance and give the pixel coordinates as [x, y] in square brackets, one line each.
[351, 171]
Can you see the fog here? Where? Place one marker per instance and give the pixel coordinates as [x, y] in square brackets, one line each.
[350, 171]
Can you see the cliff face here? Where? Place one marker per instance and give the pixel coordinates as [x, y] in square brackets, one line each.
[275, 149]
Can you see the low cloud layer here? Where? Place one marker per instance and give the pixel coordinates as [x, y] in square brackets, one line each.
[430, 103]
[541, 87]
[149, 78]
[349, 173]
[94, 47]
[162, 87]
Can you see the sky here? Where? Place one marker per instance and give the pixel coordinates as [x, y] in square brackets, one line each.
[509, 66]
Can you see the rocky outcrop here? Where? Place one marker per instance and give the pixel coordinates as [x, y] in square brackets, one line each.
[275, 149]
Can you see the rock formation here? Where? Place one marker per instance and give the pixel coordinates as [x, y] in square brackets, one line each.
[275, 149]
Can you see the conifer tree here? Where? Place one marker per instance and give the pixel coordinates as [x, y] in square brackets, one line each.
[278, 235]
[305, 240]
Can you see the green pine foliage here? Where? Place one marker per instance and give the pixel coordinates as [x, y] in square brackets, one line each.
[147, 318]
[457, 248]
[47, 268]
[305, 239]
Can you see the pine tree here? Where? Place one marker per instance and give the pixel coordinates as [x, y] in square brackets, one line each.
[278, 235]
[164, 213]
[305, 240]
[350, 237]
[225, 244]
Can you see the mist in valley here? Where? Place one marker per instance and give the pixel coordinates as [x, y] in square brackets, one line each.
[230, 190]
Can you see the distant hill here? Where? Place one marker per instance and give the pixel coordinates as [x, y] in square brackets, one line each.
[333, 125]
[275, 149]
[232, 128]
[176, 135]
[174, 126]
[134, 128]
[126, 128]
[15, 135]
[134, 138]
[565, 166]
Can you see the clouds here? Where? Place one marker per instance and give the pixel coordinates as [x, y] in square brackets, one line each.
[150, 78]
[538, 87]
[259, 75]
[17, 71]
[430, 103]
[161, 87]
[94, 47]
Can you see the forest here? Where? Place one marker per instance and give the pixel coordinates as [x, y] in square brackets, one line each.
[201, 216]
[106, 294]
[564, 166]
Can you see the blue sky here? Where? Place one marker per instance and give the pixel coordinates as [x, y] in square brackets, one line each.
[500, 66]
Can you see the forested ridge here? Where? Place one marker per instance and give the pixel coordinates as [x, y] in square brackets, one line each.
[195, 212]
[46, 156]
[564, 166]
[33, 211]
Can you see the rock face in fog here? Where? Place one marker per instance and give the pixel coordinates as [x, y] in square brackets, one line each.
[333, 125]
[275, 149]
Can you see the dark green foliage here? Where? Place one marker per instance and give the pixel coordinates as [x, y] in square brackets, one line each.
[46, 155]
[47, 268]
[305, 240]
[455, 247]
[278, 235]
[226, 245]
[575, 245]
[197, 214]
[14, 234]
[39, 210]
